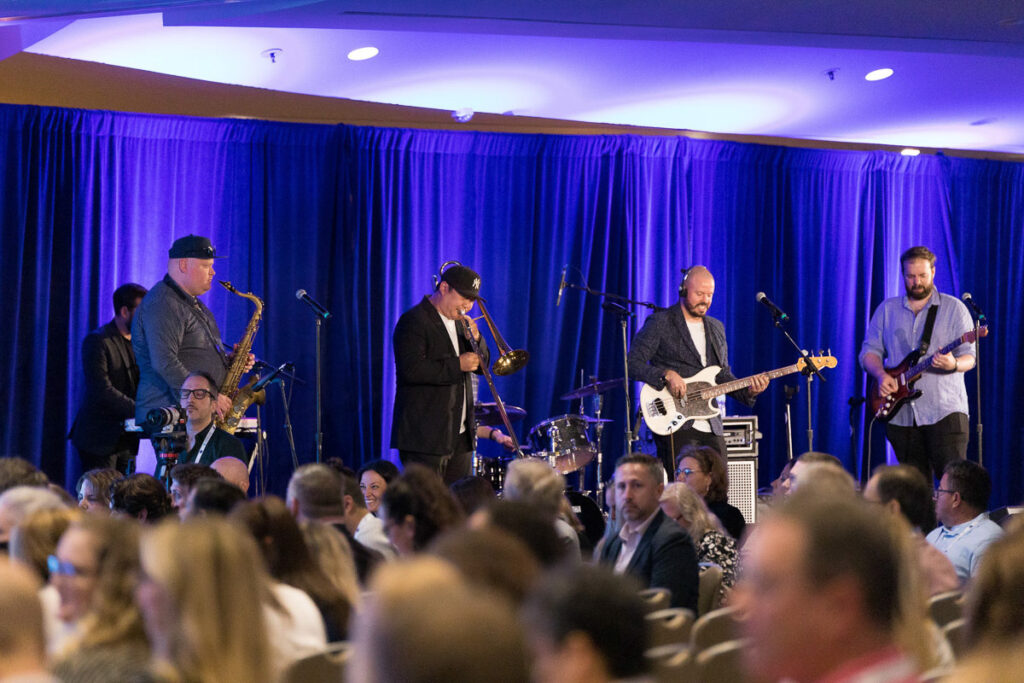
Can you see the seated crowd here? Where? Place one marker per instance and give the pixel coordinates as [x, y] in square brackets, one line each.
[425, 582]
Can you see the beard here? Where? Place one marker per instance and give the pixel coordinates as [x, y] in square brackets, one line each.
[698, 311]
[920, 293]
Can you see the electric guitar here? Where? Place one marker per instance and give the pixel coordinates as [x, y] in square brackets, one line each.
[886, 407]
[665, 414]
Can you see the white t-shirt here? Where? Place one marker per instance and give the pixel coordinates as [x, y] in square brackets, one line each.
[453, 334]
[700, 342]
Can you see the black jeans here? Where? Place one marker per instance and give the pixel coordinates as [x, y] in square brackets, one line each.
[930, 448]
[451, 466]
[669, 446]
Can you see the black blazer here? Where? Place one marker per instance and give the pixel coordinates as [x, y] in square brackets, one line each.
[664, 343]
[665, 558]
[111, 378]
[431, 386]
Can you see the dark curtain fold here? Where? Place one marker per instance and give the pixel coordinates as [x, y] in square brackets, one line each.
[363, 217]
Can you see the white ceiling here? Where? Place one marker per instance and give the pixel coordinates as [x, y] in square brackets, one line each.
[727, 66]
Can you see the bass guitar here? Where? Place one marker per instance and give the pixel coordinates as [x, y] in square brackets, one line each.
[665, 414]
[905, 374]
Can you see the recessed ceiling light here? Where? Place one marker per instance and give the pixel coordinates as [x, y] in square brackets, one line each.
[878, 75]
[361, 53]
[910, 152]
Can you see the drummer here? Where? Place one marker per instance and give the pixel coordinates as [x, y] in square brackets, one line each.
[485, 433]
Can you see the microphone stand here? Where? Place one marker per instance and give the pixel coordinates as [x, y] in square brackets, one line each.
[809, 369]
[624, 316]
[977, 379]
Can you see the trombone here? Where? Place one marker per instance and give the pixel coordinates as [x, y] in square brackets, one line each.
[510, 361]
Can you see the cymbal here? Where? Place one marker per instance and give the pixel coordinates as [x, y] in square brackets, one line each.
[487, 414]
[592, 388]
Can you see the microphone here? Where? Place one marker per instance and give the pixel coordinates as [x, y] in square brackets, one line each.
[266, 379]
[967, 299]
[319, 310]
[561, 287]
[617, 309]
[777, 312]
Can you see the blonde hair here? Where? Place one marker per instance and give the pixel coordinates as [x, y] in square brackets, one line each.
[36, 537]
[213, 576]
[333, 553]
[694, 510]
[536, 483]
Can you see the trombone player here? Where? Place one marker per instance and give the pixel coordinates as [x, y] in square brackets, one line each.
[433, 422]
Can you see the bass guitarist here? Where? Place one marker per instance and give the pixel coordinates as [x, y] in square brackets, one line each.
[678, 342]
[932, 430]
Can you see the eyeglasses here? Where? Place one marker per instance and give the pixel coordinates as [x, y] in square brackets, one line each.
[938, 491]
[686, 471]
[58, 568]
[201, 394]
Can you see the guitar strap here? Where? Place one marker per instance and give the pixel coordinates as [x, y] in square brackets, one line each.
[926, 338]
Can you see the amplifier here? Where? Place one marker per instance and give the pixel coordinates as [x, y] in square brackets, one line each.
[743, 486]
[741, 435]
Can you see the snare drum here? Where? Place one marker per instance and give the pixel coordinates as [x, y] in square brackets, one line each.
[564, 439]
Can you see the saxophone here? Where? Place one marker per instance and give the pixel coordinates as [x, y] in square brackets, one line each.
[241, 397]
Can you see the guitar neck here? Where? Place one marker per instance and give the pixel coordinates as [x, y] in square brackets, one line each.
[745, 382]
[927, 362]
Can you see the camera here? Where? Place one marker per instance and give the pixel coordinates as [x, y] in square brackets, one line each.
[161, 418]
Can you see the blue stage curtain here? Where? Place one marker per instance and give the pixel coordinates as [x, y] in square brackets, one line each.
[363, 217]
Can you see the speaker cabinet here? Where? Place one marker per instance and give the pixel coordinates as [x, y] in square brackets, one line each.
[743, 486]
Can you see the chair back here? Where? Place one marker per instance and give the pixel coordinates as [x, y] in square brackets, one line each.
[322, 667]
[656, 598]
[710, 590]
[717, 626]
[670, 626]
[721, 663]
[956, 633]
[671, 664]
[946, 607]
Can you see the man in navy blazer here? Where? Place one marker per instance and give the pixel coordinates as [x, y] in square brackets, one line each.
[111, 378]
[678, 342]
[650, 546]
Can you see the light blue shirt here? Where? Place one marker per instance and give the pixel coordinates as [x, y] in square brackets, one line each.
[895, 331]
[964, 544]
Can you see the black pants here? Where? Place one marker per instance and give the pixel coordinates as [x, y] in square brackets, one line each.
[669, 446]
[930, 447]
[451, 466]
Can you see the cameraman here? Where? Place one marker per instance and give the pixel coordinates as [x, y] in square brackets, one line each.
[206, 442]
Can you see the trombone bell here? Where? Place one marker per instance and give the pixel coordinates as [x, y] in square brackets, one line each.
[510, 361]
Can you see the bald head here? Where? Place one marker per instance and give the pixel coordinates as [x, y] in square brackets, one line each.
[696, 292]
[22, 641]
[234, 472]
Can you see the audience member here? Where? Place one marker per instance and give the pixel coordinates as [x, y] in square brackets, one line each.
[903, 490]
[586, 625]
[93, 489]
[374, 478]
[234, 471]
[364, 527]
[183, 477]
[534, 482]
[334, 555]
[473, 493]
[703, 470]
[22, 640]
[289, 561]
[526, 523]
[211, 497]
[995, 601]
[650, 546]
[205, 600]
[823, 479]
[422, 624]
[682, 504]
[781, 484]
[140, 496]
[810, 458]
[416, 507]
[94, 570]
[15, 471]
[315, 493]
[490, 558]
[965, 531]
[820, 595]
[18, 503]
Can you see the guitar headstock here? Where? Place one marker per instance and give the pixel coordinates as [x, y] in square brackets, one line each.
[970, 337]
[819, 362]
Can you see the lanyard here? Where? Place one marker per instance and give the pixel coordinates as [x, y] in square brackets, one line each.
[209, 435]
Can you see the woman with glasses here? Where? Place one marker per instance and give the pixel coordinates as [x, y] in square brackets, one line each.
[703, 470]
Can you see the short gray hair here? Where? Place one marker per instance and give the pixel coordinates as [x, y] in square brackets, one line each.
[533, 481]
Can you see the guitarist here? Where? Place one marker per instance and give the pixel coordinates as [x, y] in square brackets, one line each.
[932, 430]
[678, 342]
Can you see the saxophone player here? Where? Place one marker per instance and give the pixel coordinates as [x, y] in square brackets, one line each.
[174, 333]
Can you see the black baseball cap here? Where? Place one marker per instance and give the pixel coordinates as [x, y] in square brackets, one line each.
[193, 246]
[463, 280]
